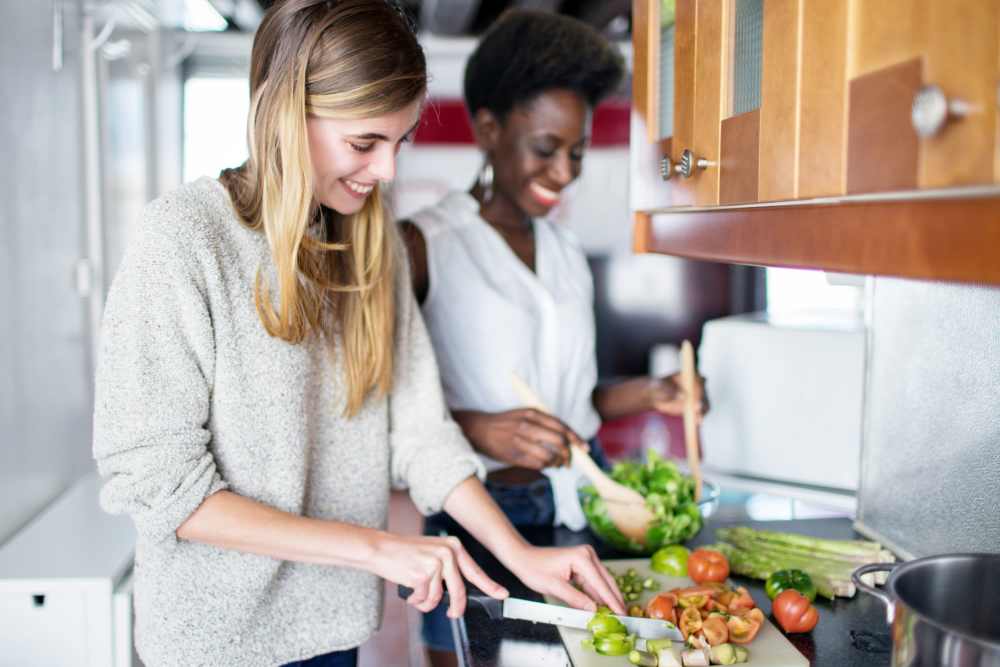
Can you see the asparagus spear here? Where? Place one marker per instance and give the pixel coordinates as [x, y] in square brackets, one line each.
[825, 548]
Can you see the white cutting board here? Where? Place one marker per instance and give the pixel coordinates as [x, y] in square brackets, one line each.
[769, 648]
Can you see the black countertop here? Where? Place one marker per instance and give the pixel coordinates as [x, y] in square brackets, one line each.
[850, 632]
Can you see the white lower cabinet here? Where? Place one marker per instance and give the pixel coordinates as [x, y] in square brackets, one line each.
[43, 628]
[65, 586]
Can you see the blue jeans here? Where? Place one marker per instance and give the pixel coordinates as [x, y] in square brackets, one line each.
[347, 658]
[525, 505]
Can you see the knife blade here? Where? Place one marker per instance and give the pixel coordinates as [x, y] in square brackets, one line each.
[543, 612]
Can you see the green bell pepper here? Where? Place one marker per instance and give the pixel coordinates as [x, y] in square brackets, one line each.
[782, 580]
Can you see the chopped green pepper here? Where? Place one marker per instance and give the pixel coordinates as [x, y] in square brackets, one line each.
[605, 624]
[615, 643]
[782, 580]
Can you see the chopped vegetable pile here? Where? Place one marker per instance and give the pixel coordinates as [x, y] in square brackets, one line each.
[669, 495]
[717, 620]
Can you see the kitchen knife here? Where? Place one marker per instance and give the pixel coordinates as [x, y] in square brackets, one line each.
[541, 612]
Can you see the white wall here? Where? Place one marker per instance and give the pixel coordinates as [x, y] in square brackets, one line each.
[46, 335]
[44, 383]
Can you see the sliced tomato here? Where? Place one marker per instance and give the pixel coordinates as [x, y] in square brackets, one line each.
[725, 597]
[743, 628]
[741, 601]
[663, 607]
[714, 606]
[690, 622]
[706, 590]
[696, 601]
[715, 630]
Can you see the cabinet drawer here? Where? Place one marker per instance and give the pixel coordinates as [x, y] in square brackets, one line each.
[43, 629]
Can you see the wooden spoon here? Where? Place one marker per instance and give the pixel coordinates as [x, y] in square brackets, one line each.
[626, 507]
[688, 384]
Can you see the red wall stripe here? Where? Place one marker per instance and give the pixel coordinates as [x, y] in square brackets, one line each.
[445, 121]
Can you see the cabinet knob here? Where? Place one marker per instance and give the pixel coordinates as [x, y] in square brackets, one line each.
[667, 168]
[689, 163]
[932, 109]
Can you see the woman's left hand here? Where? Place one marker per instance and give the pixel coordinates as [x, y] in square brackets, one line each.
[554, 570]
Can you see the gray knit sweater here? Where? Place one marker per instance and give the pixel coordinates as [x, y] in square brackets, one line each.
[193, 396]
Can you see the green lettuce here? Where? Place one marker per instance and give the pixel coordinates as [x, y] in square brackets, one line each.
[669, 495]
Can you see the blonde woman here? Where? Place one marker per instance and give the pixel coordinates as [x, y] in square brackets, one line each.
[265, 377]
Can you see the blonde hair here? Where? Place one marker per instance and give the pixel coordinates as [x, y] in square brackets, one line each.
[336, 59]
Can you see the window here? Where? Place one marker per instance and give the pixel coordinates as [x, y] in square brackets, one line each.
[797, 291]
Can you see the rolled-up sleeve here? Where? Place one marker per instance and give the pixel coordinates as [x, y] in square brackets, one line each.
[153, 386]
[430, 455]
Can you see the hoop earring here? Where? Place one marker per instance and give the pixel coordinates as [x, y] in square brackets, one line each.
[485, 181]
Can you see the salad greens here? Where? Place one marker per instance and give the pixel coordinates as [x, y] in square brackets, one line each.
[669, 495]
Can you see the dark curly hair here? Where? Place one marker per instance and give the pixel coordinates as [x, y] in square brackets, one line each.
[526, 53]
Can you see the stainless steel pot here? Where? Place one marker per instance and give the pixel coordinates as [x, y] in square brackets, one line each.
[944, 610]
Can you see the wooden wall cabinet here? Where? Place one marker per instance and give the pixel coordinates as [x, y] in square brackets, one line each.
[885, 111]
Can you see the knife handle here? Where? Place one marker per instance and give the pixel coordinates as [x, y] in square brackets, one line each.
[493, 607]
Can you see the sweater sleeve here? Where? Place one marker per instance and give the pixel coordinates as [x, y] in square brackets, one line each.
[153, 385]
[430, 455]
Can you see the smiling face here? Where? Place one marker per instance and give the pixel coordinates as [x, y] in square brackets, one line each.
[537, 150]
[350, 156]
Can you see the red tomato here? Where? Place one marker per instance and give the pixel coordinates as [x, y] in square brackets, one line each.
[707, 565]
[794, 612]
[662, 607]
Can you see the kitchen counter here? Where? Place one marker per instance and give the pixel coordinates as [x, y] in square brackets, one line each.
[850, 632]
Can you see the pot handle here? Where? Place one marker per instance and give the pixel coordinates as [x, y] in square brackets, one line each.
[890, 607]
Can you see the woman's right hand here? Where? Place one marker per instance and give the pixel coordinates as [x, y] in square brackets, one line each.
[428, 565]
[524, 437]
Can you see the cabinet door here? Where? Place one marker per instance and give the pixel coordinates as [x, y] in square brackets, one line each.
[44, 629]
[700, 57]
[720, 103]
[740, 147]
[896, 48]
[684, 73]
[652, 106]
[688, 65]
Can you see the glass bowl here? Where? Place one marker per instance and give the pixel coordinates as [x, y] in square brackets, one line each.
[672, 526]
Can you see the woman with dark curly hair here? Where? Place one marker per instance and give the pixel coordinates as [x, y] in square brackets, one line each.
[505, 292]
